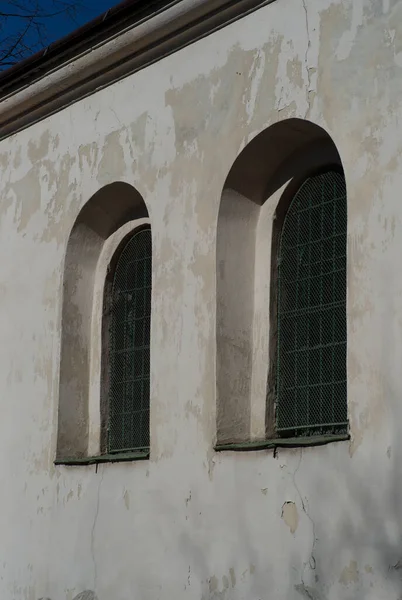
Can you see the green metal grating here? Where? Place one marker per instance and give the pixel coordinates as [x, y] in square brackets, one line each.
[311, 367]
[129, 339]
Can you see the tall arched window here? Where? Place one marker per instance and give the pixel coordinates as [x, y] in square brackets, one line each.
[281, 292]
[126, 345]
[311, 310]
[101, 229]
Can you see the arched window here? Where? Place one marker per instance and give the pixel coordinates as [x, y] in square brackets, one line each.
[95, 259]
[281, 292]
[311, 310]
[126, 345]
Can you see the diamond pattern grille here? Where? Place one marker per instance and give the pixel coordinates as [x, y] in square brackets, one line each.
[311, 368]
[129, 335]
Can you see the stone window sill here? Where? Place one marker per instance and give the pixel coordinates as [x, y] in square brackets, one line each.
[104, 458]
[296, 442]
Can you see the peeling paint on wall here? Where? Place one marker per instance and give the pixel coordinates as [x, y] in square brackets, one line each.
[290, 516]
[350, 574]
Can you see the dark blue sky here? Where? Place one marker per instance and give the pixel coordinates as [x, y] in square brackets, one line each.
[60, 26]
[51, 28]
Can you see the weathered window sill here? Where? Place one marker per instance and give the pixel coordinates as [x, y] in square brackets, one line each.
[104, 458]
[295, 442]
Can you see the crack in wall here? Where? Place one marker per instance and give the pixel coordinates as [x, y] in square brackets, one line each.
[311, 561]
[308, 592]
[93, 531]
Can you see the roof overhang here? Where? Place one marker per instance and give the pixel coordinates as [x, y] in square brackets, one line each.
[106, 51]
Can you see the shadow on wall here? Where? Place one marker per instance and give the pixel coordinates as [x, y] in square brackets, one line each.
[354, 505]
[356, 552]
[346, 543]
[344, 538]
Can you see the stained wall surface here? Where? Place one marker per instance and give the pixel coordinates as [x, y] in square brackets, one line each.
[322, 523]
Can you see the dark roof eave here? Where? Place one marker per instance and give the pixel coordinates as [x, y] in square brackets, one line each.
[114, 19]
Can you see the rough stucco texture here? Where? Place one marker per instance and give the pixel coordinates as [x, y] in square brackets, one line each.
[323, 523]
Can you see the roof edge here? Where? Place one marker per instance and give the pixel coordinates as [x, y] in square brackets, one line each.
[67, 46]
[106, 52]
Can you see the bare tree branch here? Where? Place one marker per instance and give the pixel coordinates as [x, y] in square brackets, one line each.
[24, 25]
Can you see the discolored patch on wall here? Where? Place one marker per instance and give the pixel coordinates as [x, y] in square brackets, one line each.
[112, 164]
[350, 574]
[37, 151]
[290, 516]
[27, 198]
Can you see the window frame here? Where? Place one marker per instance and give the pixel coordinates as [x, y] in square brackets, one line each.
[105, 348]
[283, 206]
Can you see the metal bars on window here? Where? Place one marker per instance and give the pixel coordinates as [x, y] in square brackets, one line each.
[311, 356]
[129, 346]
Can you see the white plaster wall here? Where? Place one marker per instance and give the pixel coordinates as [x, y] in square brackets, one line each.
[322, 523]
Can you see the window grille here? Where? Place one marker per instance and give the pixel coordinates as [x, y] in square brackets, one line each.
[129, 346]
[311, 356]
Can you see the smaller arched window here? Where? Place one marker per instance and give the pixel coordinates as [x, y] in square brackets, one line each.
[311, 335]
[126, 345]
